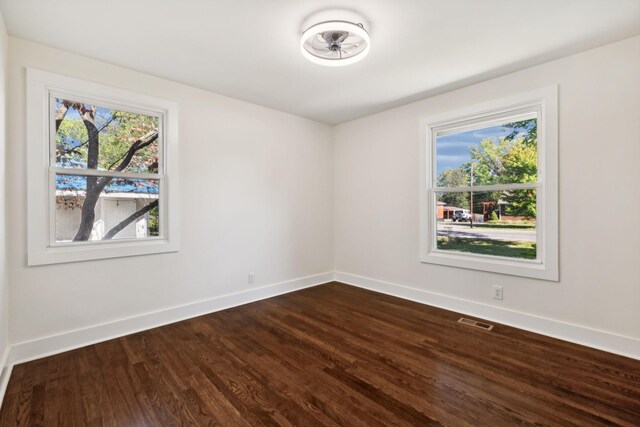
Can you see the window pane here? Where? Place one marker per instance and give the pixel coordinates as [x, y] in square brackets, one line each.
[504, 223]
[498, 154]
[89, 136]
[103, 208]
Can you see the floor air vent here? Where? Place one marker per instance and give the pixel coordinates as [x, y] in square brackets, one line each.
[477, 324]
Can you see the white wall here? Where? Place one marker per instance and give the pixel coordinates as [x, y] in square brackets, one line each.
[261, 191]
[376, 194]
[255, 193]
[4, 284]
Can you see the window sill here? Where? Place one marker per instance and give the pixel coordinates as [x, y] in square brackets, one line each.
[89, 251]
[525, 268]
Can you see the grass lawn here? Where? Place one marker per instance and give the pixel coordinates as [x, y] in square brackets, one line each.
[502, 226]
[526, 250]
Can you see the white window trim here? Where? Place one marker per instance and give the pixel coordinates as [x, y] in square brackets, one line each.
[546, 265]
[41, 250]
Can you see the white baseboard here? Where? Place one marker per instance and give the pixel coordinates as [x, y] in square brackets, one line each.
[606, 341]
[69, 340]
[5, 373]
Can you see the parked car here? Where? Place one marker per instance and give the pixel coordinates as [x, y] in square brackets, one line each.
[460, 216]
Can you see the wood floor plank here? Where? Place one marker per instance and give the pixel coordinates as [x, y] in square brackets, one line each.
[331, 355]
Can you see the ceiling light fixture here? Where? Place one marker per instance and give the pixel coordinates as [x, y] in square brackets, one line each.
[335, 43]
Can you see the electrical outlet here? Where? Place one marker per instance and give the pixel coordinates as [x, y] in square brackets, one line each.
[497, 292]
[252, 278]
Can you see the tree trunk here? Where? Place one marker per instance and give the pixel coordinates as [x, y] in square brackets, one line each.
[93, 189]
[60, 113]
[88, 215]
[122, 224]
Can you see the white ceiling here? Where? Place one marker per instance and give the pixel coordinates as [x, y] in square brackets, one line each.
[249, 49]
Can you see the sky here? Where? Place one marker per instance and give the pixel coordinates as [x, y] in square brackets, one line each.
[453, 150]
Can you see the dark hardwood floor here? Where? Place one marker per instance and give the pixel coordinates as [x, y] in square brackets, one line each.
[329, 355]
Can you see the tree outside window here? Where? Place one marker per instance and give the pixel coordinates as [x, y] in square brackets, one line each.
[99, 154]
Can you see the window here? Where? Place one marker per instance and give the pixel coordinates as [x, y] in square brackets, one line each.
[489, 186]
[101, 171]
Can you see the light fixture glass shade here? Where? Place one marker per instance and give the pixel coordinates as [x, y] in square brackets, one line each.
[335, 43]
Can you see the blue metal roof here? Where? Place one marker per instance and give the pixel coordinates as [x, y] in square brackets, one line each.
[117, 185]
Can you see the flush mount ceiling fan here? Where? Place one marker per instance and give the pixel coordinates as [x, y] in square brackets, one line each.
[335, 43]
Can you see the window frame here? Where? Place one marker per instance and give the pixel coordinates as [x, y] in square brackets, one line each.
[42, 89]
[544, 102]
